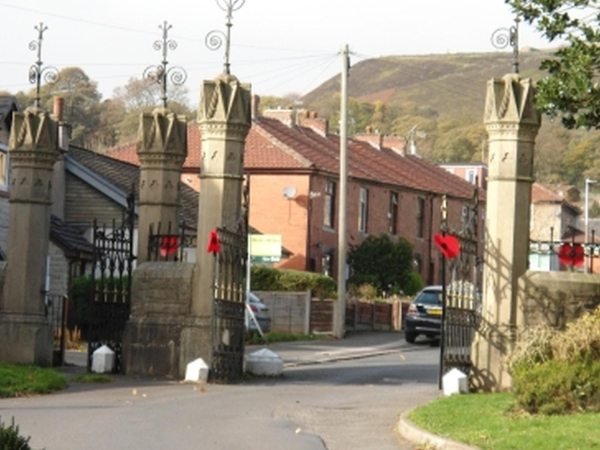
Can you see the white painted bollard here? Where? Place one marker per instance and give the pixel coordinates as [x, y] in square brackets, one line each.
[197, 371]
[264, 362]
[455, 382]
[103, 360]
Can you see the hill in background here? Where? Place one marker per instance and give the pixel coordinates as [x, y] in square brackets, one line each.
[444, 96]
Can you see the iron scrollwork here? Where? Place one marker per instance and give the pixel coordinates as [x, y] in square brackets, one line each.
[37, 72]
[161, 73]
[215, 38]
[504, 37]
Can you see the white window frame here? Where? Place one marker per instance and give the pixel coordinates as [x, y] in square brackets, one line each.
[471, 176]
[329, 207]
[363, 209]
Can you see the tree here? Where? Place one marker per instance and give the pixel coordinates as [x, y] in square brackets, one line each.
[381, 262]
[142, 96]
[570, 89]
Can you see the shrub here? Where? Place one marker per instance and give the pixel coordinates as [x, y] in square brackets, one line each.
[269, 279]
[10, 439]
[559, 372]
[414, 285]
[381, 262]
[558, 387]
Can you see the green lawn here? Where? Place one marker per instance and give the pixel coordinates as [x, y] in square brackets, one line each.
[490, 421]
[18, 381]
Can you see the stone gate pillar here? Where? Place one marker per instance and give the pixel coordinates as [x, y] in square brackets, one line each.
[25, 333]
[162, 149]
[512, 124]
[224, 119]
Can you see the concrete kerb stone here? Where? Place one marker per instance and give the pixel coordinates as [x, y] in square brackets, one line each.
[339, 358]
[416, 435]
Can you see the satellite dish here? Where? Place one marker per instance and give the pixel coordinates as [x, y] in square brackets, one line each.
[289, 192]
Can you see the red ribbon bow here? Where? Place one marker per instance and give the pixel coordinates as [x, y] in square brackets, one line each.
[571, 255]
[168, 245]
[448, 245]
[214, 246]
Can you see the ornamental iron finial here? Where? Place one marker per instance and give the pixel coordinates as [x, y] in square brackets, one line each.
[36, 71]
[161, 74]
[503, 37]
[214, 39]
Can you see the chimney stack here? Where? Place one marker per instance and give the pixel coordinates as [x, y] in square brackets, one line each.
[63, 127]
[370, 137]
[311, 120]
[255, 106]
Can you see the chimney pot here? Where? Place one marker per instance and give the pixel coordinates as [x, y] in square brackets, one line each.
[58, 108]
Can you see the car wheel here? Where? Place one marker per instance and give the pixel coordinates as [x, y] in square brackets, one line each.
[410, 337]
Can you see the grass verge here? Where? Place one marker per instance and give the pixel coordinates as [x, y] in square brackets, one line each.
[19, 381]
[271, 338]
[490, 421]
[92, 378]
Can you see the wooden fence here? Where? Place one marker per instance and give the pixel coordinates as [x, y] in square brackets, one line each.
[298, 313]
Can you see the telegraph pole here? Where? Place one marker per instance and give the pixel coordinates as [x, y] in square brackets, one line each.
[340, 310]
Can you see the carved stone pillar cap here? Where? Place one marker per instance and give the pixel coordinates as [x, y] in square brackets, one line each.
[510, 100]
[161, 111]
[227, 78]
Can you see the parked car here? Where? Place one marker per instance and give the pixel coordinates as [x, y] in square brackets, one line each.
[424, 315]
[261, 313]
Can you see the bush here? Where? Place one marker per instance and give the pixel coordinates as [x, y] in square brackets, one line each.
[559, 372]
[10, 439]
[558, 387]
[382, 262]
[269, 279]
[414, 285]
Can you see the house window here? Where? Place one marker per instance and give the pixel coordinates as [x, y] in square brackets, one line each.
[418, 263]
[420, 217]
[329, 213]
[4, 167]
[393, 214]
[327, 263]
[363, 210]
[471, 176]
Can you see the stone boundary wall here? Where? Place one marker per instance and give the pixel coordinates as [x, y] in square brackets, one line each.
[556, 298]
[290, 311]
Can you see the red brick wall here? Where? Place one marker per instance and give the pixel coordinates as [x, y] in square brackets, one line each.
[272, 213]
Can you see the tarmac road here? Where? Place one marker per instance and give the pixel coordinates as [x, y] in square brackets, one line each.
[333, 395]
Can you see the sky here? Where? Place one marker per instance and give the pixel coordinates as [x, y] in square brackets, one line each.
[278, 46]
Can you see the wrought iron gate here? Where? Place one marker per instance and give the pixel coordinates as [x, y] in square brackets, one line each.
[112, 266]
[229, 294]
[229, 299]
[462, 298]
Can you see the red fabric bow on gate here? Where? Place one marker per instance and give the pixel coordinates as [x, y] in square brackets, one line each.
[448, 245]
[168, 245]
[214, 246]
[571, 255]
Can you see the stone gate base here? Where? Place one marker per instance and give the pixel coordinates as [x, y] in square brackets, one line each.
[161, 338]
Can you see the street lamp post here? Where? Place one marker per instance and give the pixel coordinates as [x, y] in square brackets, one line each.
[588, 181]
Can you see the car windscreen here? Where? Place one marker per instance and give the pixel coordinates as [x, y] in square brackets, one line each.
[429, 298]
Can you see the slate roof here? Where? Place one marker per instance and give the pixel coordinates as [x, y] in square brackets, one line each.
[126, 176]
[274, 146]
[69, 237]
[8, 103]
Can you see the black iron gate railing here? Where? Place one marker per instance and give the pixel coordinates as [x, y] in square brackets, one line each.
[462, 296]
[56, 311]
[229, 293]
[112, 266]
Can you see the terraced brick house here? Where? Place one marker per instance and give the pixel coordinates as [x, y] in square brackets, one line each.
[292, 162]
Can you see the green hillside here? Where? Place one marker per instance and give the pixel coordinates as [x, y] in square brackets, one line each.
[444, 95]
